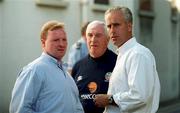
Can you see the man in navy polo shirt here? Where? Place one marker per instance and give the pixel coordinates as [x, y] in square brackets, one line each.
[92, 73]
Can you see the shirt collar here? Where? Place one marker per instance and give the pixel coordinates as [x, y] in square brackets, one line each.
[102, 57]
[50, 58]
[126, 46]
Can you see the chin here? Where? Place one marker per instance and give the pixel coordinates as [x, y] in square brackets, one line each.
[92, 54]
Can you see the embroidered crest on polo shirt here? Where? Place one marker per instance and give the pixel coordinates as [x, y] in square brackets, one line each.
[79, 78]
[107, 76]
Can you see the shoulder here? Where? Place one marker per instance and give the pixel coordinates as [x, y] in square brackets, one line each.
[82, 62]
[37, 67]
[78, 44]
[80, 65]
[112, 54]
[111, 58]
[141, 52]
[140, 49]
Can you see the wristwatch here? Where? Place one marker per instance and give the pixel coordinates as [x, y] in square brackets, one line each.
[110, 99]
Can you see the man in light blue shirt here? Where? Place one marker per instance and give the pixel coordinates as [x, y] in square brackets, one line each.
[78, 50]
[43, 86]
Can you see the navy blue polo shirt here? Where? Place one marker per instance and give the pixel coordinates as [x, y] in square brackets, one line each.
[92, 77]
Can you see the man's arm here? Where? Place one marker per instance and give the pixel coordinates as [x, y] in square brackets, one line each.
[140, 82]
[25, 92]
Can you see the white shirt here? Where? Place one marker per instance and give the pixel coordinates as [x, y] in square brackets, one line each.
[134, 83]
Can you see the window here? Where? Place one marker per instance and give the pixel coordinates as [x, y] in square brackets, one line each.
[146, 17]
[174, 19]
[174, 11]
[146, 5]
[52, 3]
[104, 2]
[100, 5]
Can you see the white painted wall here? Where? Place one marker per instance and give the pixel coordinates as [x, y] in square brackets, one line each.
[165, 48]
[1, 77]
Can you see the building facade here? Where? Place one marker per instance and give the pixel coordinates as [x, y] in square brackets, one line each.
[156, 25]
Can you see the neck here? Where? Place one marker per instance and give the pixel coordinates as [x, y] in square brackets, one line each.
[125, 41]
[58, 59]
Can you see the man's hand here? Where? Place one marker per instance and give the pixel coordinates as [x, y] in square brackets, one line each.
[101, 100]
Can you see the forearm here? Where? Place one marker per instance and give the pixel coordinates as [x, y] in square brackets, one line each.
[128, 102]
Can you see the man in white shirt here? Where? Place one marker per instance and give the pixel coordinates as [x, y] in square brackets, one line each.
[134, 84]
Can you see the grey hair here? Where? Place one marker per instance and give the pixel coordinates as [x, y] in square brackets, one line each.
[100, 23]
[126, 12]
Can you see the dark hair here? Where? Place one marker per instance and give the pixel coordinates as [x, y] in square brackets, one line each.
[83, 28]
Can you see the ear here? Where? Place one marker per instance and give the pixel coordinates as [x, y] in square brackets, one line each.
[130, 26]
[43, 42]
[108, 38]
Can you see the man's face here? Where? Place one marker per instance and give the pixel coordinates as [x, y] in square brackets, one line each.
[119, 30]
[97, 41]
[55, 44]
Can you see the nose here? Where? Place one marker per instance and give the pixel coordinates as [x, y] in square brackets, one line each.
[93, 38]
[112, 29]
[62, 43]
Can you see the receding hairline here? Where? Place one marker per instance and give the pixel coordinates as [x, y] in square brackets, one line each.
[97, 23]
[127, 14]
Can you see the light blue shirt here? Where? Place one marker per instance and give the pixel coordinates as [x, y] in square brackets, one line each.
[44, 87]
[77, 51]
